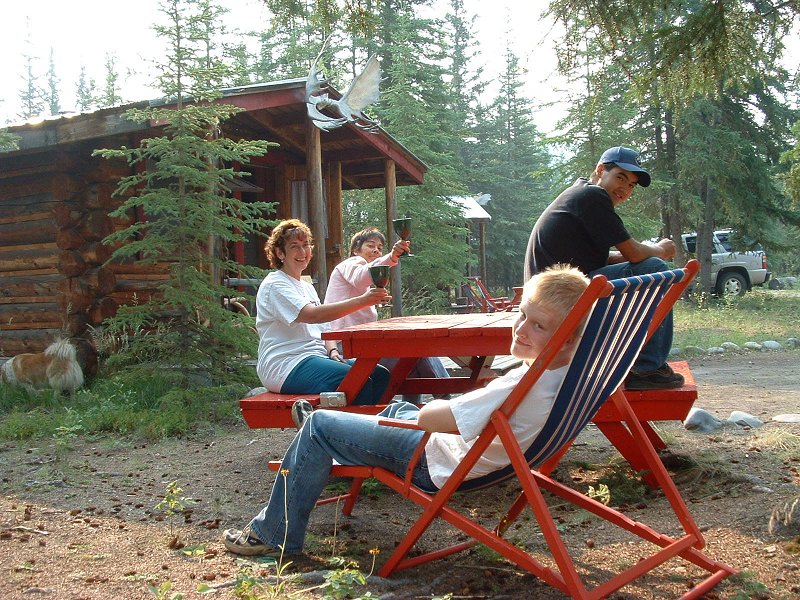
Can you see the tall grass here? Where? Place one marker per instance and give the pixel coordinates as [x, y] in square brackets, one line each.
[148, 408]
[757, 316]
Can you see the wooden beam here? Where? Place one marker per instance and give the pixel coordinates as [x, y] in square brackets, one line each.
[316, 202]
[390, 190]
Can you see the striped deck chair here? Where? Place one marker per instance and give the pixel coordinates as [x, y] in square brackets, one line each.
[619, 313]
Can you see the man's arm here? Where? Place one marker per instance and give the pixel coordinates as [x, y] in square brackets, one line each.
[635, 252]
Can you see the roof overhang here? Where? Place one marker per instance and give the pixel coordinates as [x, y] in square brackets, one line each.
[273, 111]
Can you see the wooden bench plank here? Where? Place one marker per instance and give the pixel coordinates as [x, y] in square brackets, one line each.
[272, 410]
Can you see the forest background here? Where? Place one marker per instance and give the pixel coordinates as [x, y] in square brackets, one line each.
[706, 90]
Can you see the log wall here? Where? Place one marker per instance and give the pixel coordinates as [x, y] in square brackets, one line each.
[54, 212]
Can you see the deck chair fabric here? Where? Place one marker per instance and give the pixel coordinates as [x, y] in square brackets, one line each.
[619, 313]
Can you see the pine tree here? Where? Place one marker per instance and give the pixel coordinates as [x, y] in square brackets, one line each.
[183, 193]
[85, 90]
[109, 95]
[53, 101]
[507, 160]
[31, 96]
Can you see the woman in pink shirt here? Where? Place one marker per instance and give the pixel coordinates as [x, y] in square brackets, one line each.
[351, 278]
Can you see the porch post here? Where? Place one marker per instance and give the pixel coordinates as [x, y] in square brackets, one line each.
[316, 209]
[390, 185]
[482, 241]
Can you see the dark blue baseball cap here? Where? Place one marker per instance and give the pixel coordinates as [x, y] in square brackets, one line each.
[628, 159]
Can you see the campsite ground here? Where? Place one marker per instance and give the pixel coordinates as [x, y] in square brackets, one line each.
[79, 518]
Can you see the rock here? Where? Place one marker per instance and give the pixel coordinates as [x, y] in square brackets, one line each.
[752, 346]
[694, 351]
[771, 345]
[701, 420]
[716, 350]
[256, 392]
[775, 284]
[761, 489]
[787, 418]
[731, 347]
[792, 343]
[743, 419]
[675, 351]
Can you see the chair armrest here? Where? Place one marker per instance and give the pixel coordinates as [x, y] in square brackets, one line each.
[404, 423]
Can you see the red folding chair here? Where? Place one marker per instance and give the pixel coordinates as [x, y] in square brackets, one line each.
[619, 313]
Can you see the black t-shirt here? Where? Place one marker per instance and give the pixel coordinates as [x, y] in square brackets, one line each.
[578, 228]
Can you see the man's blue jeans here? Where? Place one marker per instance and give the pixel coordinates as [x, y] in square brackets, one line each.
[655, 352]
[329, 435]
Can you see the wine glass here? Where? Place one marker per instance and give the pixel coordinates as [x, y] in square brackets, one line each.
[380, 277]
[402, 227]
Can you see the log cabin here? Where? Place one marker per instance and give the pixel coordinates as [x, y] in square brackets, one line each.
[55, 200]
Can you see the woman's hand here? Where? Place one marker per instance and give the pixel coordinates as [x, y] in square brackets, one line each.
[334, 354]
[400, 247]
[375, 296]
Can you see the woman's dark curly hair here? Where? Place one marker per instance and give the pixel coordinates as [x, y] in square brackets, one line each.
[290, 229]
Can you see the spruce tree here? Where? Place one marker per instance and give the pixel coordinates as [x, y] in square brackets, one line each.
[109, 95]
[53, 101]
[31, 95]
[189, 212]
[85, 92]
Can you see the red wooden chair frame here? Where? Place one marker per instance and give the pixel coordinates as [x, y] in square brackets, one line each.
[619, 313]
[488, 302]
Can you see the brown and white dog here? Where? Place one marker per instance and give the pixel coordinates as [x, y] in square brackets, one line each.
[56, 367]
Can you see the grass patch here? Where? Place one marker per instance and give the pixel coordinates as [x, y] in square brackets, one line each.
[757, 316]
[781, 444]
[150, 408]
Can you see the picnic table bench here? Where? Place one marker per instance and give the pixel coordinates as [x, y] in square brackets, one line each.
[271, 410]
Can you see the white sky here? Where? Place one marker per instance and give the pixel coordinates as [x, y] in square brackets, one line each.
[84, 33]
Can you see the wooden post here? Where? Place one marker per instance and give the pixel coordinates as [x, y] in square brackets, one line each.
[338, 249]
[390, 185]
[316, 209]
[482, 242]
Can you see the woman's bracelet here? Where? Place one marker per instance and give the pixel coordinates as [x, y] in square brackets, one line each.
[331, 350]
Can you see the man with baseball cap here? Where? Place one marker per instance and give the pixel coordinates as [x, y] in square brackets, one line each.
[580, 227]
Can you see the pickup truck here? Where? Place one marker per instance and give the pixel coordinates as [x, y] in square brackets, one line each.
[732, 273]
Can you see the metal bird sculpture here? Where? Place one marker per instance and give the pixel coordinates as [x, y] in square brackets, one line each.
[362, 92]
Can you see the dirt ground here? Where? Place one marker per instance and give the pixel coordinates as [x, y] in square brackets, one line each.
[79, 518]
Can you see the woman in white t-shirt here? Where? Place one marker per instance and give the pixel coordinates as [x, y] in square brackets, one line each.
[351, 278]
[292, 357]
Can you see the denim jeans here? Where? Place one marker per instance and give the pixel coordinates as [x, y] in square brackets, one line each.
[655, 352]
[317, 374]
[329, 435]
[427, 366]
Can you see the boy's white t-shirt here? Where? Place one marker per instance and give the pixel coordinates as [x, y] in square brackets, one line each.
[284, 342]
[472, 411]
[349, 279]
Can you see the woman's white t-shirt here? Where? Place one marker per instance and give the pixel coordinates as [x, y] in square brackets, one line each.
[283, 341]
[349, 279]
[472, 411]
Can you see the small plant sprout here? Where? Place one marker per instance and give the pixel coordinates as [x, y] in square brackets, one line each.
[162, 592]
[173, 503]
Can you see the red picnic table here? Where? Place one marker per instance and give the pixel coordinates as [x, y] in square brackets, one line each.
[478, 335]
[468, 337]
[472, 338]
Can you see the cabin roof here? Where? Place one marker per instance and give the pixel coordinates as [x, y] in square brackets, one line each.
[274, 111]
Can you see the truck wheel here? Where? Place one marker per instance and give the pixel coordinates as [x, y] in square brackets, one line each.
[731, 284]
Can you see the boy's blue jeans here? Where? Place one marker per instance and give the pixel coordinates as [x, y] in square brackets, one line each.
[329, 435]
[655, 352]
